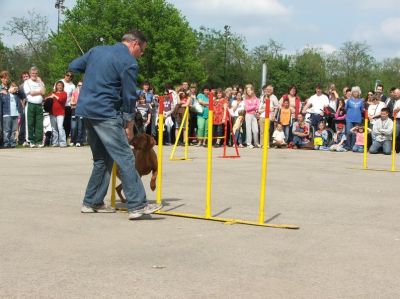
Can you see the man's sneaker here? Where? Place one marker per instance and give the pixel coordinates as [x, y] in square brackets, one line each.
[72, 144]
[25, 144]
[97, 209]
[135, 214]
[250, 146]
[78, 145]
[32, 145]
[151, 208]
[147, 210]
[41, 145]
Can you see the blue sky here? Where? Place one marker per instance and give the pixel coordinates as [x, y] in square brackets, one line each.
[295, 24]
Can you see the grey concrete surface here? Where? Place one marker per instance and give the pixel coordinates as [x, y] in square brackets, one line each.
[347, 247]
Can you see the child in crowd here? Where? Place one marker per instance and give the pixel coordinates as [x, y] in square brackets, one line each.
[57, 114]
[358, 130]
[278, 137]
[237, 127]
[77, 125]
[340, 115]
[144, 110]
[284, 117]
[300, 134]
[321, 137]
[11, 104]
[339, 139]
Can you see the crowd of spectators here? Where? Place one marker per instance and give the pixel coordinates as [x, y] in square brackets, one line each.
[327, 120]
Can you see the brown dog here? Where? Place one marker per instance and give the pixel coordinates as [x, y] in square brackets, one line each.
[145, 160]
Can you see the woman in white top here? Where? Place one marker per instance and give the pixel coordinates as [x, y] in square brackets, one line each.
[374, 110]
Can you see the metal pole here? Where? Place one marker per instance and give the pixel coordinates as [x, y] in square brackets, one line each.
[264, 74]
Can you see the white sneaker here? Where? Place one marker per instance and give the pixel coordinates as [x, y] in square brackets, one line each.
[72, 144]
[41, 145]
[250, 146]
[32, 145]
[97, 209]
[151, 208]
[78, 145]
[25, 144]
[135, 214]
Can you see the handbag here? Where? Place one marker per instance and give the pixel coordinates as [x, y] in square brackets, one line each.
[197, 107]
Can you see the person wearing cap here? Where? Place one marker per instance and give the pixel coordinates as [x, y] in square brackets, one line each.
[106, 101]
[317, 103]
[354, 109]
[339, 139]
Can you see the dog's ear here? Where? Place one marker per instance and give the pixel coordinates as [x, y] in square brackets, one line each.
[150, 142]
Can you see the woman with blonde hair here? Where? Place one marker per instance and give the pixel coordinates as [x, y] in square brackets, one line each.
[251, 103]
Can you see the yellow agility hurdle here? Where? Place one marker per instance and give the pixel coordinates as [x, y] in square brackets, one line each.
[184, 124]
[208, 215]
[365, 154]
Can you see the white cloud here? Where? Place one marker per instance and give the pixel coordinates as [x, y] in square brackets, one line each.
[236, 8]
[391, 28]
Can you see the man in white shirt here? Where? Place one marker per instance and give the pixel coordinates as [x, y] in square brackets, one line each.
[69, 88]
[34, 91]
[268, 93]
[316, 103]
[382, 133]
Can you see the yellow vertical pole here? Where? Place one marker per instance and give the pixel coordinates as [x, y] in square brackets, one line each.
[264, 164]
[160, 148]
[179, 135]
[113, 184]
[394, 144]
[209, 153]
[186, 136]
[365, 166]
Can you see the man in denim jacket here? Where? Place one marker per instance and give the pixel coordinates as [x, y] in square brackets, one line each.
[106, 100]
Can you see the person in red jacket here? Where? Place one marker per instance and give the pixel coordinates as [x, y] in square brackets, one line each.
[59, 98]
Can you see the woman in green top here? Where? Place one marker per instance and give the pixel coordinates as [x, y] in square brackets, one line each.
[202, 118]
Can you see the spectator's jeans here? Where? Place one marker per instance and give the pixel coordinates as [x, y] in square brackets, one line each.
[298, 141]
[286, 130]
[58, 137]
[77, 130]
[35, 123]
[10, 125]
[238, 137]
[154, 125]
[108, 143]
[251, 129]
[67, 120]
[377, 145]
[22, 127]
[315, 118]
[358, 148]
[202, 126]
[350, 137]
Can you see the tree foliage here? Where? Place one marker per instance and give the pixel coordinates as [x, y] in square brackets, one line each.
[172, 45]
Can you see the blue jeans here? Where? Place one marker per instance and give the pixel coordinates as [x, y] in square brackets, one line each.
[350, 138]
[58, 137]
[108, 143]
[77, 130]
[377, 145]
[10, 125]
[358, 148]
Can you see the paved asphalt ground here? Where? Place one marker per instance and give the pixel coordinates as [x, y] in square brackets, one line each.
[347, 246]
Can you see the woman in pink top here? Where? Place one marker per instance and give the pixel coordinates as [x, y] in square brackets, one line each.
[251, 104]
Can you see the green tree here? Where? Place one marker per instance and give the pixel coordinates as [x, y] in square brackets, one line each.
[308, 70]
[171, 55]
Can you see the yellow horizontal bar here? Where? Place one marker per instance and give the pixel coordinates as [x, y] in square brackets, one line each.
[227, 220]
[373, 169]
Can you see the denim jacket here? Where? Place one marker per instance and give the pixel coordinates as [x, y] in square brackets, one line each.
[110, 82]
[5, 102]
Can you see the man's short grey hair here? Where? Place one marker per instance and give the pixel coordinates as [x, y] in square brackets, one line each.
[33, 68]
[356, 89]
[134, 35]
